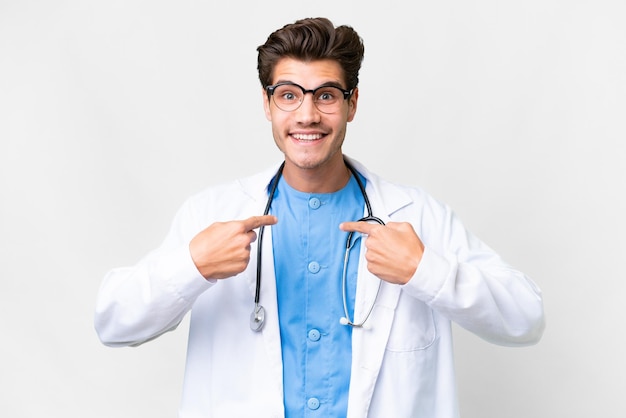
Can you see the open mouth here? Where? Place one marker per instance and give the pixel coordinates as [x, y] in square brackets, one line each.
[307, 137]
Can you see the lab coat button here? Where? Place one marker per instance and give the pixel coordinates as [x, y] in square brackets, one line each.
[314, 203]
[313, 403]
[314, 267]
[314, 335]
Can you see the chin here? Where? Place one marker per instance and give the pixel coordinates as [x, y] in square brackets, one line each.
[306, 165]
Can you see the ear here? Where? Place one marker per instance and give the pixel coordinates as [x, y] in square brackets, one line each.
[352, 102]
[266, 105]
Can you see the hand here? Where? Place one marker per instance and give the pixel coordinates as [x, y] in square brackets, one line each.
[393, 251]
[223, 249]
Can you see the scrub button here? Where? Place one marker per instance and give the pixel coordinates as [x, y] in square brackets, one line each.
[314, 335]
[314, 203]
[314, 267]
[313, 403]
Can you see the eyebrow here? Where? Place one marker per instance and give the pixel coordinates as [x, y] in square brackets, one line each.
[326, 84]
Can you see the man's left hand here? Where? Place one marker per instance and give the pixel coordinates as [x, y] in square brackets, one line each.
[393, 251]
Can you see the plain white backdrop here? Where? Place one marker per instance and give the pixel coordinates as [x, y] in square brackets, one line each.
[112, 113]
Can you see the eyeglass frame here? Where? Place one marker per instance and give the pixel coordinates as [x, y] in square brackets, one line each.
[270, 93]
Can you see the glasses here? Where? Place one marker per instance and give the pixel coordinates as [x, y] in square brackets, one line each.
[289, 96]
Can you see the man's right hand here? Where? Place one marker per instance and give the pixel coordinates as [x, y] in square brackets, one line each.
[223, 249]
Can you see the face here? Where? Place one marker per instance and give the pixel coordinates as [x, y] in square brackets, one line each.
[311, 140]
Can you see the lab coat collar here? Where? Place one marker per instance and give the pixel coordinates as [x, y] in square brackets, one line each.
[386, 198]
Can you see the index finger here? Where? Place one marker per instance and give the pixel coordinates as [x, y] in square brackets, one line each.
[362, 227]
[254, 222]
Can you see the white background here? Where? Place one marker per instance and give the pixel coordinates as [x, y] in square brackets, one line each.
[113, 112]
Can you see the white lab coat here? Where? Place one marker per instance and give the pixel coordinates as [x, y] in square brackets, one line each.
[402, 362]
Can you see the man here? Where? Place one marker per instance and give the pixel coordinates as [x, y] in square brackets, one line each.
[334, 317]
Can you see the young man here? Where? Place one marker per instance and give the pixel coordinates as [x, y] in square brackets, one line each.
[336, 315]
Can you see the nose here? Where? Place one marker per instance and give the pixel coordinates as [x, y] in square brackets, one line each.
[307, 112]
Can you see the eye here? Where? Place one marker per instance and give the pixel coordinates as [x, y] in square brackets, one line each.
[327, 95]
[287, 93]
[288, 96]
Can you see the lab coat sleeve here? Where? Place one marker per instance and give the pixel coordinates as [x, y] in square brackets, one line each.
[139, 303]
[466, 281]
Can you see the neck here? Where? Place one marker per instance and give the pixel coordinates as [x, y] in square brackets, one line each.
[327, 179]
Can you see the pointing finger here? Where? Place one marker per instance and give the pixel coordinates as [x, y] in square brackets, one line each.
[254, 222]
[362, 227]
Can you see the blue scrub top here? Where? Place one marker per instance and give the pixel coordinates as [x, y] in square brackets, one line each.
[309, 250]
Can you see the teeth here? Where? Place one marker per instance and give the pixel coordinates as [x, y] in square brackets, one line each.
[308, 137]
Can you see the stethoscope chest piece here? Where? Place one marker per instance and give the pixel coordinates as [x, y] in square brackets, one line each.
[257, 318]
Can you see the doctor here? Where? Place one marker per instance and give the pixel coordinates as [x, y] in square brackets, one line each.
[343, 318]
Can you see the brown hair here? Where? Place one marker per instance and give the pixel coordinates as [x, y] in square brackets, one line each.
[312, 39]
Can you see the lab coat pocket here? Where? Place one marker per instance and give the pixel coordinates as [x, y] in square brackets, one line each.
[413, 326]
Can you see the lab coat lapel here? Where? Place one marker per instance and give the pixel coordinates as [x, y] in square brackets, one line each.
[369, 343]
[256, 188]
[271, 329]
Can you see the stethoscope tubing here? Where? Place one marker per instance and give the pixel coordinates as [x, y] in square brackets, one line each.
[257, 318]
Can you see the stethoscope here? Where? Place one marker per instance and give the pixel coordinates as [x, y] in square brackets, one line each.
[257, 317]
